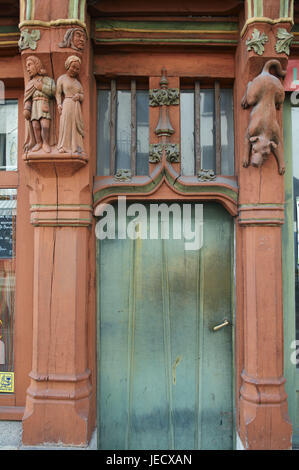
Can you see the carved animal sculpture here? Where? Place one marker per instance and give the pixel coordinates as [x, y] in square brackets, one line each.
[266, 94]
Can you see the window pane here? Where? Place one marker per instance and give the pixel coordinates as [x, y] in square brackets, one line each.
[9, 135]
[123, 130]
[8, 206]
[227, 132]
[207, 138]
[103, 153]
[187, 132]
[142, 115]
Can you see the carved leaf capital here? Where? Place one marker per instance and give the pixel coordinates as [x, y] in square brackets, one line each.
[28, 39]
[284, 40]
[257, 42]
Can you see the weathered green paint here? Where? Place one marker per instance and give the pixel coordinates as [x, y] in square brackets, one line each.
[288, 266]
[112, 25]
[258, 8]
[284, 8]
[9, 29]
[230, 193]
[186, 40]
[165, 378]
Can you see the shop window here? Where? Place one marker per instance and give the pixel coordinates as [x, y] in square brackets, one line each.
[8, 206]
[123, 129]
[8, 135]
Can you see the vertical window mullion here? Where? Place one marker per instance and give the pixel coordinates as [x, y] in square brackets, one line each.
[197, 127]
[113, 105]
[217, 127]
[133, 127]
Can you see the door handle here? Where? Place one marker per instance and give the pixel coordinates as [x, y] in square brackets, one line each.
[221, 325]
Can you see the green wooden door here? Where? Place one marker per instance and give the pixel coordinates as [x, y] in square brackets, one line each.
[164, 376]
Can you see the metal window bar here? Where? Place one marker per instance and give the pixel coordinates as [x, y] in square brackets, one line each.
[217, 127]
[113, 104]
[113, 120]
[197, 127]
[133, 127]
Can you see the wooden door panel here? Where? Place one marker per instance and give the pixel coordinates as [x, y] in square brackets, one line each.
[165, 378]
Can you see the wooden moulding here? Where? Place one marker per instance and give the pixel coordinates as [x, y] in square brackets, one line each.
[261, 214]
[166, 180]
[61, 215]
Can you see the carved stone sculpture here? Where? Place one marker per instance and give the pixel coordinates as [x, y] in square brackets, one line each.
[74, 38]
[266, 94]
[69, 97]
[39, 108]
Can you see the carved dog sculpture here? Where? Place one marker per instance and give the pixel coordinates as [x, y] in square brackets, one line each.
[266, 94]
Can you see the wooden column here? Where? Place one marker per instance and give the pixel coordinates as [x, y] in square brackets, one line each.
[60, 405]
[262, 409]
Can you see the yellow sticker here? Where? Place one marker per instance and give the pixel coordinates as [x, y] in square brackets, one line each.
[7, 382]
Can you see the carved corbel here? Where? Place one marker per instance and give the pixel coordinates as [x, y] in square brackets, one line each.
[266, 94]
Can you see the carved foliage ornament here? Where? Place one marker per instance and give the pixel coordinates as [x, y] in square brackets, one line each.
[164, 97]
[155, 153]
[28, 39]
[123, 174]
[206, 175]
[257, 42]
[284, 40]
[266, 95]
[172, 152]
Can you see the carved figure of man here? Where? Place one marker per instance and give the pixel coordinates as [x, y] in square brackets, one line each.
[74, 38]
[39, 108]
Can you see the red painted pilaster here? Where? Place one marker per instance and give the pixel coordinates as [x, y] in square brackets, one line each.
[263, 421]
[60, 405]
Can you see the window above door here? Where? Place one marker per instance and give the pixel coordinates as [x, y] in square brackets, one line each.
[205, 133]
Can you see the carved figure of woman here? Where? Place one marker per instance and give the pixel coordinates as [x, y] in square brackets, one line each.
[71, 128]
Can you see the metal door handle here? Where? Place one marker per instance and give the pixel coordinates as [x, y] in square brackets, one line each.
[221, 325]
